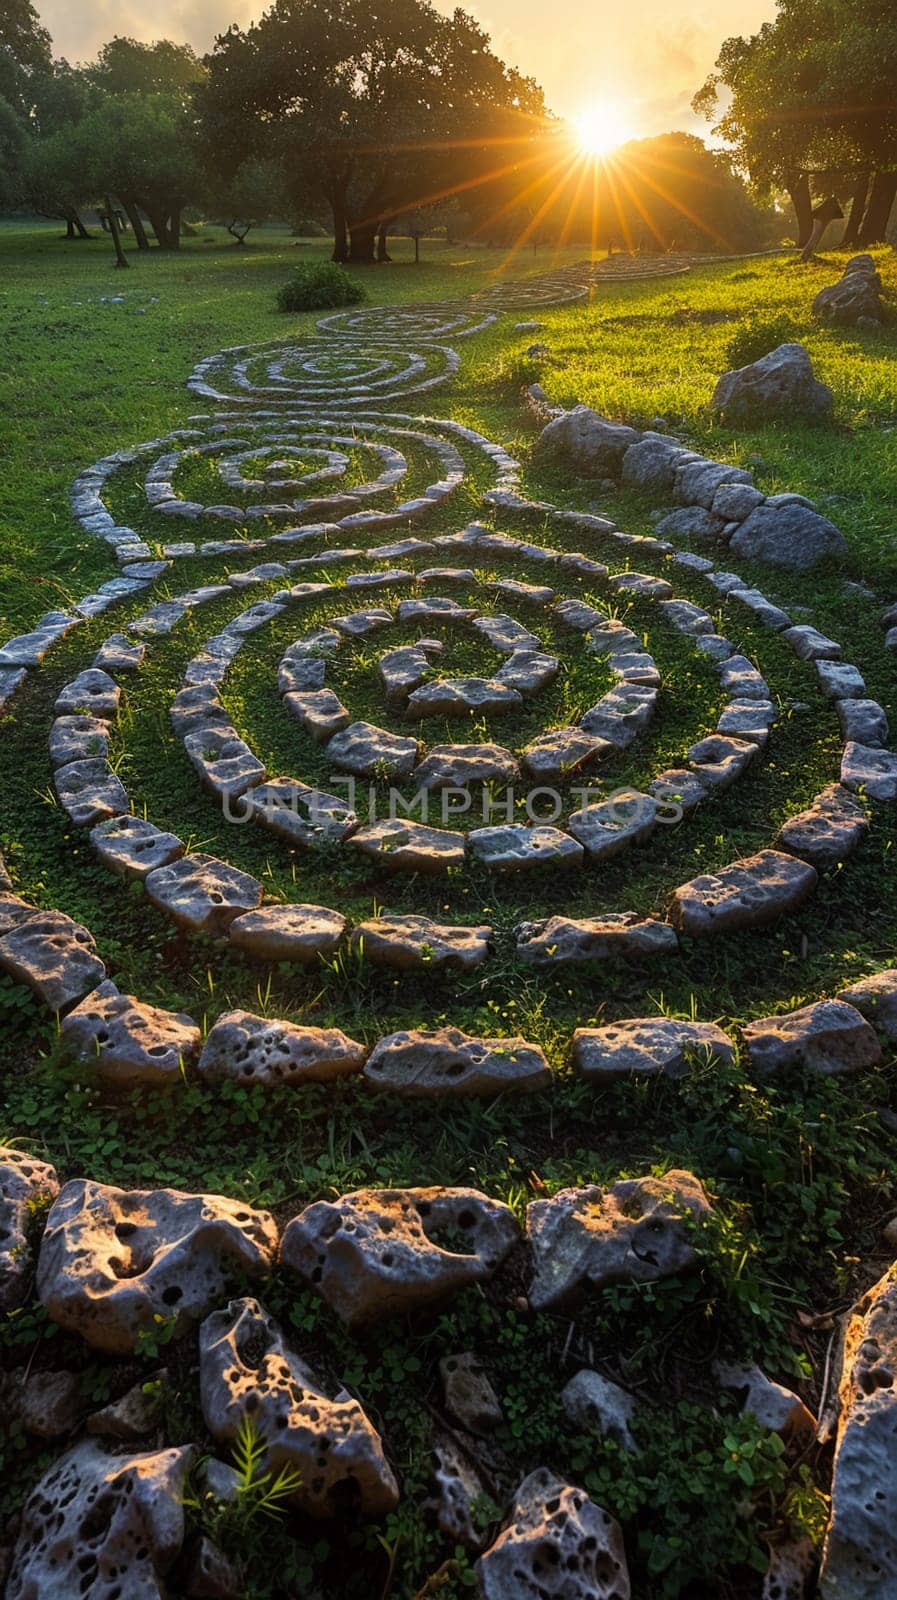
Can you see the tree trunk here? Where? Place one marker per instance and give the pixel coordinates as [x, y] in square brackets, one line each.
[121, 259]
[133, 214]
[361, 244]
[878, 211]
[70, 229]
[340, 241]
[828, 211]
[382, 240]
[797, 185]
[74, 227]
[858, 199]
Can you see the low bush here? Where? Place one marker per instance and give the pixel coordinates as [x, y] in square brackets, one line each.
[318, 286]
[756, 336]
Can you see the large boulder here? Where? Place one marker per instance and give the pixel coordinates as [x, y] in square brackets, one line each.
[855, 295]
[247, 1371]
[780, 384]
[588, 442]
[102, 1525]
[790, 535]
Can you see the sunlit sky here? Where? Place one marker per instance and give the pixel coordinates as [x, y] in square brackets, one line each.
[646, 59]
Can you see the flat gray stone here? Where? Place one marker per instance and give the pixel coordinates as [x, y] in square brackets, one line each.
[611, 638]
[54, 956]
[755, 601]
[741, 680]
[403, 670]
[93, 692]
[118, 654]
[462, 697]
[78, 739]
[409, 943]
[811, 645]
[203, 894]
[558, 940]
[528, 671]
[642, 585]
[250, 1049]
[875, 998]
[746, 894]
[302, 815]
[369, 751]
[456, 766]
[319, 711]
[361, 624]
[610, 826]
[505, 633]
[719, 761]
[622, 714]
[562, 753]
[678, 791]
[829, 1037]
[577, 614]
[828, 831]
[638, 1231]
[516, 848]
[224, 762]
[300, 933]
[839, 680]
[870, 772]
[747, 719]
[134, 847]
[862, 722]
[434, 608]
[128, 1041]
[296, 674]
[406, 846]
[686, 618]
[444, 1062]
[648, 1047]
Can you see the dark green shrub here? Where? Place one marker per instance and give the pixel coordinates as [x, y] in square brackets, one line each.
[317, 286]
[757, 335]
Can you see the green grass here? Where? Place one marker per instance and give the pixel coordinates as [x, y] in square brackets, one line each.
[800, 1169]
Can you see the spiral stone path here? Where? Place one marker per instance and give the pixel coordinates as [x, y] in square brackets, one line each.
[377, 655]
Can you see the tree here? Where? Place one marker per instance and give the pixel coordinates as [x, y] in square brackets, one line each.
[374, 107]
[25, 53]
[12, 143]
[250, 197]
[141, 148]
[813, 108]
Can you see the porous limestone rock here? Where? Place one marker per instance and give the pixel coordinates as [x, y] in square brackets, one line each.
[870, 772]
[859, 1557]
[769, 1403]
[247, 1371]
[378, 1252]
[558, 1543]
[78, 739]
[588, 442]
[779, 384]
[456, 766]
[410, 846]
[829, 1037]
[203, 894]
[610, 826]
[528, 671]
[463, 697]
[828, 831]
[514, 847]
[621, 714]
[48, 1404]
[89, 791]
[135, 1414]
[102, 1525]
[252, 1049]
[24, 1183]
[619, 933]
[55, 956]
[133, 846]
[458, 1489]
[719, 760]
[319, 711]
[114, 1260]
[592, 1401]
[128, 1041]
[560, 754]
[302, 815]
[288, 933]
[92, 691]
[439, 1062]
[789, 535]
[638, 1231]
[505, 633]
[648, 1047]
[412, 942]
[746, 894]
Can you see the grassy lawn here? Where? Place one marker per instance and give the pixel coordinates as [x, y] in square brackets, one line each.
[800, 1168]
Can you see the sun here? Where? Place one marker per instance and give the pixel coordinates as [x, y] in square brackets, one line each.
[600, 127]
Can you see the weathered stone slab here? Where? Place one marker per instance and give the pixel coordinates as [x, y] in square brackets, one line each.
[828, 831]
[361, 624]
[577, 614]
[648, 1047]
[642, 585]
[377, 1252]
[203, 894]
[556, 940]
[128, 1041]
[622, 714]
[870, 772]
[411, 942]
[133, 846]
[55, 956]
[469, 1396]
[862, 722]
[563, 752]
[296, 674]
[410, 846]
[640, 1230]
[516, 848]
[78, 739]
[444, 1062]
[505, 633]
[719, 760]
[840, 680]
[117, 1521]
[118, 654]
[90, 792]
[455, 766]
[463, 697]
[369, 751]
[251, 1049]
[610, 826]
[875, 998]
[224, 762]
[112, 1260]
[434, 608]
[528, 671]
[403, 670]
[748, 719]
[302, 815]
[555, 1530]
[741, 680]
[300, 933]
[93, 692]
[829, 1037]
[811, 645]
[319, 711]
[611, 637]
[24, 1183]
[247, 1372]
[686, 618]
[746, 894]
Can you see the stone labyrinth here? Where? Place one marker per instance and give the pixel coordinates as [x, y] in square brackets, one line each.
[462, 685]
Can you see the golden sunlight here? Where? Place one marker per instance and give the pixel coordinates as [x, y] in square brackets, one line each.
[599, 128]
